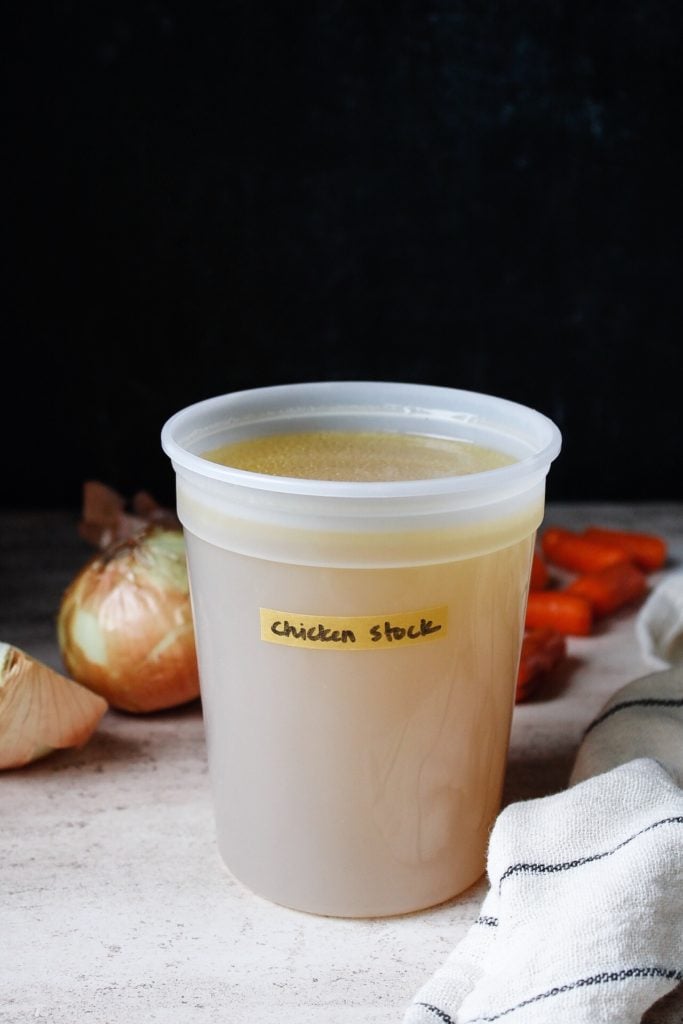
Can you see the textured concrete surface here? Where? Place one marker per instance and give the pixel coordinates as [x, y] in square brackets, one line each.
[114, 903]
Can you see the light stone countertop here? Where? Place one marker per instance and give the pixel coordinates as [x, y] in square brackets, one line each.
[115, 905]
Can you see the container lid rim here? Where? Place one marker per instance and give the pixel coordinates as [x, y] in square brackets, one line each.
[527, 466]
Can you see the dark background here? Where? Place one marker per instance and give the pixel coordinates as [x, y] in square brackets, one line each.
[209, 197]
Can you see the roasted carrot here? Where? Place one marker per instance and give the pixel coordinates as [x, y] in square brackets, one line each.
[540, 577]
[579, 554]
[647, 550]
[610, 588]
[556, 609]
[542, 649]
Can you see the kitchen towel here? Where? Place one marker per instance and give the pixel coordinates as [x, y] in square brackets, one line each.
[659, 624]
[583, 921]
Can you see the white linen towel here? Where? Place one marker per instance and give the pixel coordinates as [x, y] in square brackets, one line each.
[583, 922]
[659, 625]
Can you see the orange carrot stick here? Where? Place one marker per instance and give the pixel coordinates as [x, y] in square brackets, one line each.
[556, 609]
[647, 550]
[579, 554]
[542, 649]
[540, 577]
[610, 588]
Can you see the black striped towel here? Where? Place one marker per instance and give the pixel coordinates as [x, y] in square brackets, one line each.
[583, 922]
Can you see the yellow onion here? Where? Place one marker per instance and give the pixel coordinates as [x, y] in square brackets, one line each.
[40, 710]
[125, 623]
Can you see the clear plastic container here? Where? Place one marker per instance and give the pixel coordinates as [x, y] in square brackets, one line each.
[358, 643]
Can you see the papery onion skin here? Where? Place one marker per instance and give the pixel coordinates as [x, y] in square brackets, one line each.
[125, 625]
[40, 710]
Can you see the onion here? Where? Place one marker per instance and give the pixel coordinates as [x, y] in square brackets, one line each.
[40, 710]
[125, 623]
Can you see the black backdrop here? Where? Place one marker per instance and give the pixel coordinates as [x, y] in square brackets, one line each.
[212, 196]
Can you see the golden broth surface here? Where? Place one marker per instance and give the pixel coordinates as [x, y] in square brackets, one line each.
[358, 456]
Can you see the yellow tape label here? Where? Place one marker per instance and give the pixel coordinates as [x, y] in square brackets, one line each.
[353, 632]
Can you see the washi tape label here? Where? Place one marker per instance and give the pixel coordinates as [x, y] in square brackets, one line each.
[353, 632]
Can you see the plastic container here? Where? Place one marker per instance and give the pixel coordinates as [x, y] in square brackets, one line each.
[358, 643]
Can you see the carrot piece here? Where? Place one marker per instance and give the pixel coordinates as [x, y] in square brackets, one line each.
[647, 550]
[540, 577]
[556, 609]
[579, 554]
[610, 588]
[542, 649]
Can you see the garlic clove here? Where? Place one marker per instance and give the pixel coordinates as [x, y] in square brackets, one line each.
[41, 710]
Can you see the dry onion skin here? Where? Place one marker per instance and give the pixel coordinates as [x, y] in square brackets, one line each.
[125, 623]
[40, 710]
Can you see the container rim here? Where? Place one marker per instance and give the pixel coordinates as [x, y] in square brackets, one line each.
[436, 403]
